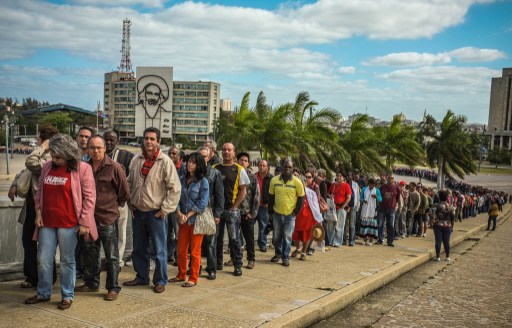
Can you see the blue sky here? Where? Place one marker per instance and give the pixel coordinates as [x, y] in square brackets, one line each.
[379, 56]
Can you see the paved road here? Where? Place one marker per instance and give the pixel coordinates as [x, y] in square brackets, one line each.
[473, 290]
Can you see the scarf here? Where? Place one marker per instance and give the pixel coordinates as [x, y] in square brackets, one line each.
[149, 162]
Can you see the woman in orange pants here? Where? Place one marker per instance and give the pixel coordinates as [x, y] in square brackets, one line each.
[193, 201]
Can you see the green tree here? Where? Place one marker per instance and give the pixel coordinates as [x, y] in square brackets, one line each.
[398, 142]
[239, 128]
[361, 144]
[58, 119]
[499, 156]
[313, 140]
[449, 148]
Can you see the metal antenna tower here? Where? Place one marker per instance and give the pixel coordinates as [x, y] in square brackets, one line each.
[126, 63]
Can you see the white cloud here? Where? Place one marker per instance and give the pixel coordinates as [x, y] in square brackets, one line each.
[470, 54]
[122, 3]
[467, 54]
[385, 19]
[347, 70]
[409, 59]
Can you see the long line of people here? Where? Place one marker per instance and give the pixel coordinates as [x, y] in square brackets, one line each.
[83, 189]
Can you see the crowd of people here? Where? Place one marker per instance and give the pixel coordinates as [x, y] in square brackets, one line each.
[82, 191]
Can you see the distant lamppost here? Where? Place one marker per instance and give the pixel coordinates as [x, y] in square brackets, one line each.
[481, 147]
[12, 123]
[6, 122]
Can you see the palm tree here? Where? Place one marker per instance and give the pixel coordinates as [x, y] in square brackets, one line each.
[398, 143]
[450, 148]
[313, 140]
[238, 128]
[361, 144]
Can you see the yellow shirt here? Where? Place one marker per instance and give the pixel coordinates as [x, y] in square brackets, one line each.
[286, 194]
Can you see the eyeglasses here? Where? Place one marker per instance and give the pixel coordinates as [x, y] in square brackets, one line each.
[309, 177]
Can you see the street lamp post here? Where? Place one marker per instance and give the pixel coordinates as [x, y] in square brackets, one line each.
[481, 146]
[6, 121]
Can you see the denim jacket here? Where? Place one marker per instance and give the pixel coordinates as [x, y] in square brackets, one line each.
[194, 197]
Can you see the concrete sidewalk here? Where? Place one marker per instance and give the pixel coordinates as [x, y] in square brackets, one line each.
[268, 296]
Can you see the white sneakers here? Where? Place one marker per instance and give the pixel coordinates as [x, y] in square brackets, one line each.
[437, 259]
[447, 259]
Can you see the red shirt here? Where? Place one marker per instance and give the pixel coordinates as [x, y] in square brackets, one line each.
[340, 192]
[58, 210]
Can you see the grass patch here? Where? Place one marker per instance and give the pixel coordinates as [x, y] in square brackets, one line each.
[498, 171]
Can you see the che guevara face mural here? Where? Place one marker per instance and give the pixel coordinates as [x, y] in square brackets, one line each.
[154, 104]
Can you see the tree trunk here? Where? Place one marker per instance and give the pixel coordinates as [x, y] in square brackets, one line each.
[440, 175]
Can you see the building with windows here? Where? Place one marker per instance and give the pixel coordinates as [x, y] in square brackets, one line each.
[226, 105]
[190, 108]
[119, 104]
[196, 106]
[499, 126]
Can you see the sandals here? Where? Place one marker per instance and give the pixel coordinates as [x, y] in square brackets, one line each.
[26, 284]
[176, 279]
[188, 284]
[303, 256]
[65, 304]
[296, 252]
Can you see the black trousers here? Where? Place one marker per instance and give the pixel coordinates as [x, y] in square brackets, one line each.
[29, 245]
[247, 227]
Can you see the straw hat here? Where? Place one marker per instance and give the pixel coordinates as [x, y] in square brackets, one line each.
[318, 232]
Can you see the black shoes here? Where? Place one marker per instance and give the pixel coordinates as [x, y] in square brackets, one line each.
[286, 262]
[211, 276]
[237, 272]
[275, 259]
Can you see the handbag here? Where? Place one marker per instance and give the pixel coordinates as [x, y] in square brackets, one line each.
[324, 207]
[23, 183]
[205, 223]
[330, 215]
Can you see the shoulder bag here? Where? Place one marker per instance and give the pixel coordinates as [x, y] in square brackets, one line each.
[205, 223]
[23, 183]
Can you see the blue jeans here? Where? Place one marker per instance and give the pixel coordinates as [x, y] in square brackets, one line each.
[283, 230]
[262, 219]
[48, 240]
[442, 235]
[352, 231]
[336, 230]
[107, 235]
[231, 220]
[387, 216]
[146, 228]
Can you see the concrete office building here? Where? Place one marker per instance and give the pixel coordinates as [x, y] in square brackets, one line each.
[226, 105]
[119, 104]
[195, 106]
[500, 111]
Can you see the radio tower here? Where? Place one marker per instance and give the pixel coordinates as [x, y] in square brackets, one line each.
[126, 63]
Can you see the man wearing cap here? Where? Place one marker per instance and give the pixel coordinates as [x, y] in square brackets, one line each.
[387, 208]
[400, 221]
[412, 207]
